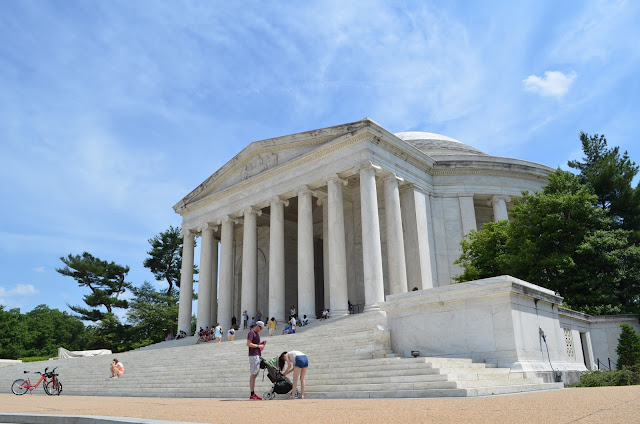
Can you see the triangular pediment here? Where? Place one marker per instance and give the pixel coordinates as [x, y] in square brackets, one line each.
[262, 156]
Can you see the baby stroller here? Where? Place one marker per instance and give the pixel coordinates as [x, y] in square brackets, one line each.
[281, 385]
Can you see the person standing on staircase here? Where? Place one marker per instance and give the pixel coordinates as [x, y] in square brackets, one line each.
[254, 345]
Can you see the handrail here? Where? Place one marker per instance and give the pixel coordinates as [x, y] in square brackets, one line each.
[609, 361]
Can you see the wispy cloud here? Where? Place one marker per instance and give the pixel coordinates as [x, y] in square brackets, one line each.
[553, 84]
[18, 290]
[38, 269]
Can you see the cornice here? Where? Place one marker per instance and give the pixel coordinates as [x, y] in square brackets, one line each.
[488, 172]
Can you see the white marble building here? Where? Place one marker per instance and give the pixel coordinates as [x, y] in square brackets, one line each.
[345, 213]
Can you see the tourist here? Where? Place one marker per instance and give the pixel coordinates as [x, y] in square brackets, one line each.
[272, 326]
[254, 345]
[169, 336]
[293, 324]
[325, 314]
[350, 306]
[202, 334]
[258, 315]
[298, 363]
[305, 321]
[218, 333]
[252, 322]
[287, 328]
[117, 369]
[231, 334]
[245, 320]
[234, 322]
[292, 311]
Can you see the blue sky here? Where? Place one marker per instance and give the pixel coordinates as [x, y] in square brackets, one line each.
[112, 111]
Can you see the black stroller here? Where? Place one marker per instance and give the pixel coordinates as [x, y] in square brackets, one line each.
[281, 385]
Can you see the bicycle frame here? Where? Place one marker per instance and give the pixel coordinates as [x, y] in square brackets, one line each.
[27, 383]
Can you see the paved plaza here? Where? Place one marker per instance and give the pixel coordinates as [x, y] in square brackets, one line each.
[585, 405]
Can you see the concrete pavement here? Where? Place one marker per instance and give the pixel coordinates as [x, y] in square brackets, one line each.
[584, 405]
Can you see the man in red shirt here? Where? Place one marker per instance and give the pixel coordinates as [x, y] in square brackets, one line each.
[254, 345]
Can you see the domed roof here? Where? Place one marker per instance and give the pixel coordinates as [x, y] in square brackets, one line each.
[431, 143]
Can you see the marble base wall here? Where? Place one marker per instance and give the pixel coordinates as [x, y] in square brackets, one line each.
[497, 320]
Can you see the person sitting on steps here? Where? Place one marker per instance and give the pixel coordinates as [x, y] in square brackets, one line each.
[117, 369]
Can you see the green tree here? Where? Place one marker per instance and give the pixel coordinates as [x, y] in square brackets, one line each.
[152, 314]
[165, 257]
[13, 333]
[628, 349]
[560, 239]
[610, 174]
[50, 329]
[106, 280]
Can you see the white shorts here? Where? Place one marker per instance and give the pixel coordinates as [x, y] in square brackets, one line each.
[254, 365]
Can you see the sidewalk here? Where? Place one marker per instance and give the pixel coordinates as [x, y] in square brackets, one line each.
[585, 405]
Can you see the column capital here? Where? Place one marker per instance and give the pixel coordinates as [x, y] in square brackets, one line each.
[303, 189]
[278, 199]
[322, 197]
[208, 226]
[334, 178]
[390, 176]
[189, 232]
[250, 209]
[498, 197]
[226, 219]
[366, 164]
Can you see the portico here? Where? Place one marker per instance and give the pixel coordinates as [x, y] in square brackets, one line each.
[345, 213]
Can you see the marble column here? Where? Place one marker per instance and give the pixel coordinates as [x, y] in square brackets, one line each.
[186, 283]
[323, 201]
[467, 214]
[336, 246]
[417, 248]
[371, 248]
[395, 243]
[249, 299]
[306, 277]
[214, 282]
[205, 282]
[499, 204]
[225, 306]
[276, 258]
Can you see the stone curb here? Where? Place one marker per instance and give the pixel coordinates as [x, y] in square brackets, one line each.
[78, 419]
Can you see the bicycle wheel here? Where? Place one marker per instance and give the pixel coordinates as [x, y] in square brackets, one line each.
[51, 390]
[19, 387]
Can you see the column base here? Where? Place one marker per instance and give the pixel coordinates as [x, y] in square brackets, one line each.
[338, 312]
[371, 308]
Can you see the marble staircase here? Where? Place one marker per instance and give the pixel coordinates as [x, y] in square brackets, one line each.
[347, 360]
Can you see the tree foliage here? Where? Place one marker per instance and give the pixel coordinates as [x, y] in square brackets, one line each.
[106, 280]
[562, 240]
[165, 257]
[609, 176]
[152, 314]
[39, 332]
[628, 349]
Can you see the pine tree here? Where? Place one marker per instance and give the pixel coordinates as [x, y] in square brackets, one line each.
[628, 349]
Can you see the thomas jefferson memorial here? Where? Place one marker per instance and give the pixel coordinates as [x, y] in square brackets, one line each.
[354, 213]
[346, 213]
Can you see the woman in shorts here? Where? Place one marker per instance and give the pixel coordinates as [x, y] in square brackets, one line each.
[298, 363]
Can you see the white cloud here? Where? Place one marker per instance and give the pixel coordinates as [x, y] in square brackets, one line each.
[38, 269]
[553, 84]
[19, 289]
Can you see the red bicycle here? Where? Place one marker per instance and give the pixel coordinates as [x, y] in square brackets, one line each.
[52, 384]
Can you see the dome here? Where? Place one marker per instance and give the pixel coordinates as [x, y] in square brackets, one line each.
[431, 143]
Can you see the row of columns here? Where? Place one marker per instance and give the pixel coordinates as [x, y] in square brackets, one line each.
[416, 243]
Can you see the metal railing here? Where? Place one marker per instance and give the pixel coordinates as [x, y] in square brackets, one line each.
[607, 365]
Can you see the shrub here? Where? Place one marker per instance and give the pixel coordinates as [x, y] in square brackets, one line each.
[34, 358]
[628, 347]
[628, 376]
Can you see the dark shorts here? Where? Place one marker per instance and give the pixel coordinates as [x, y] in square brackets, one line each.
[302, 361]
